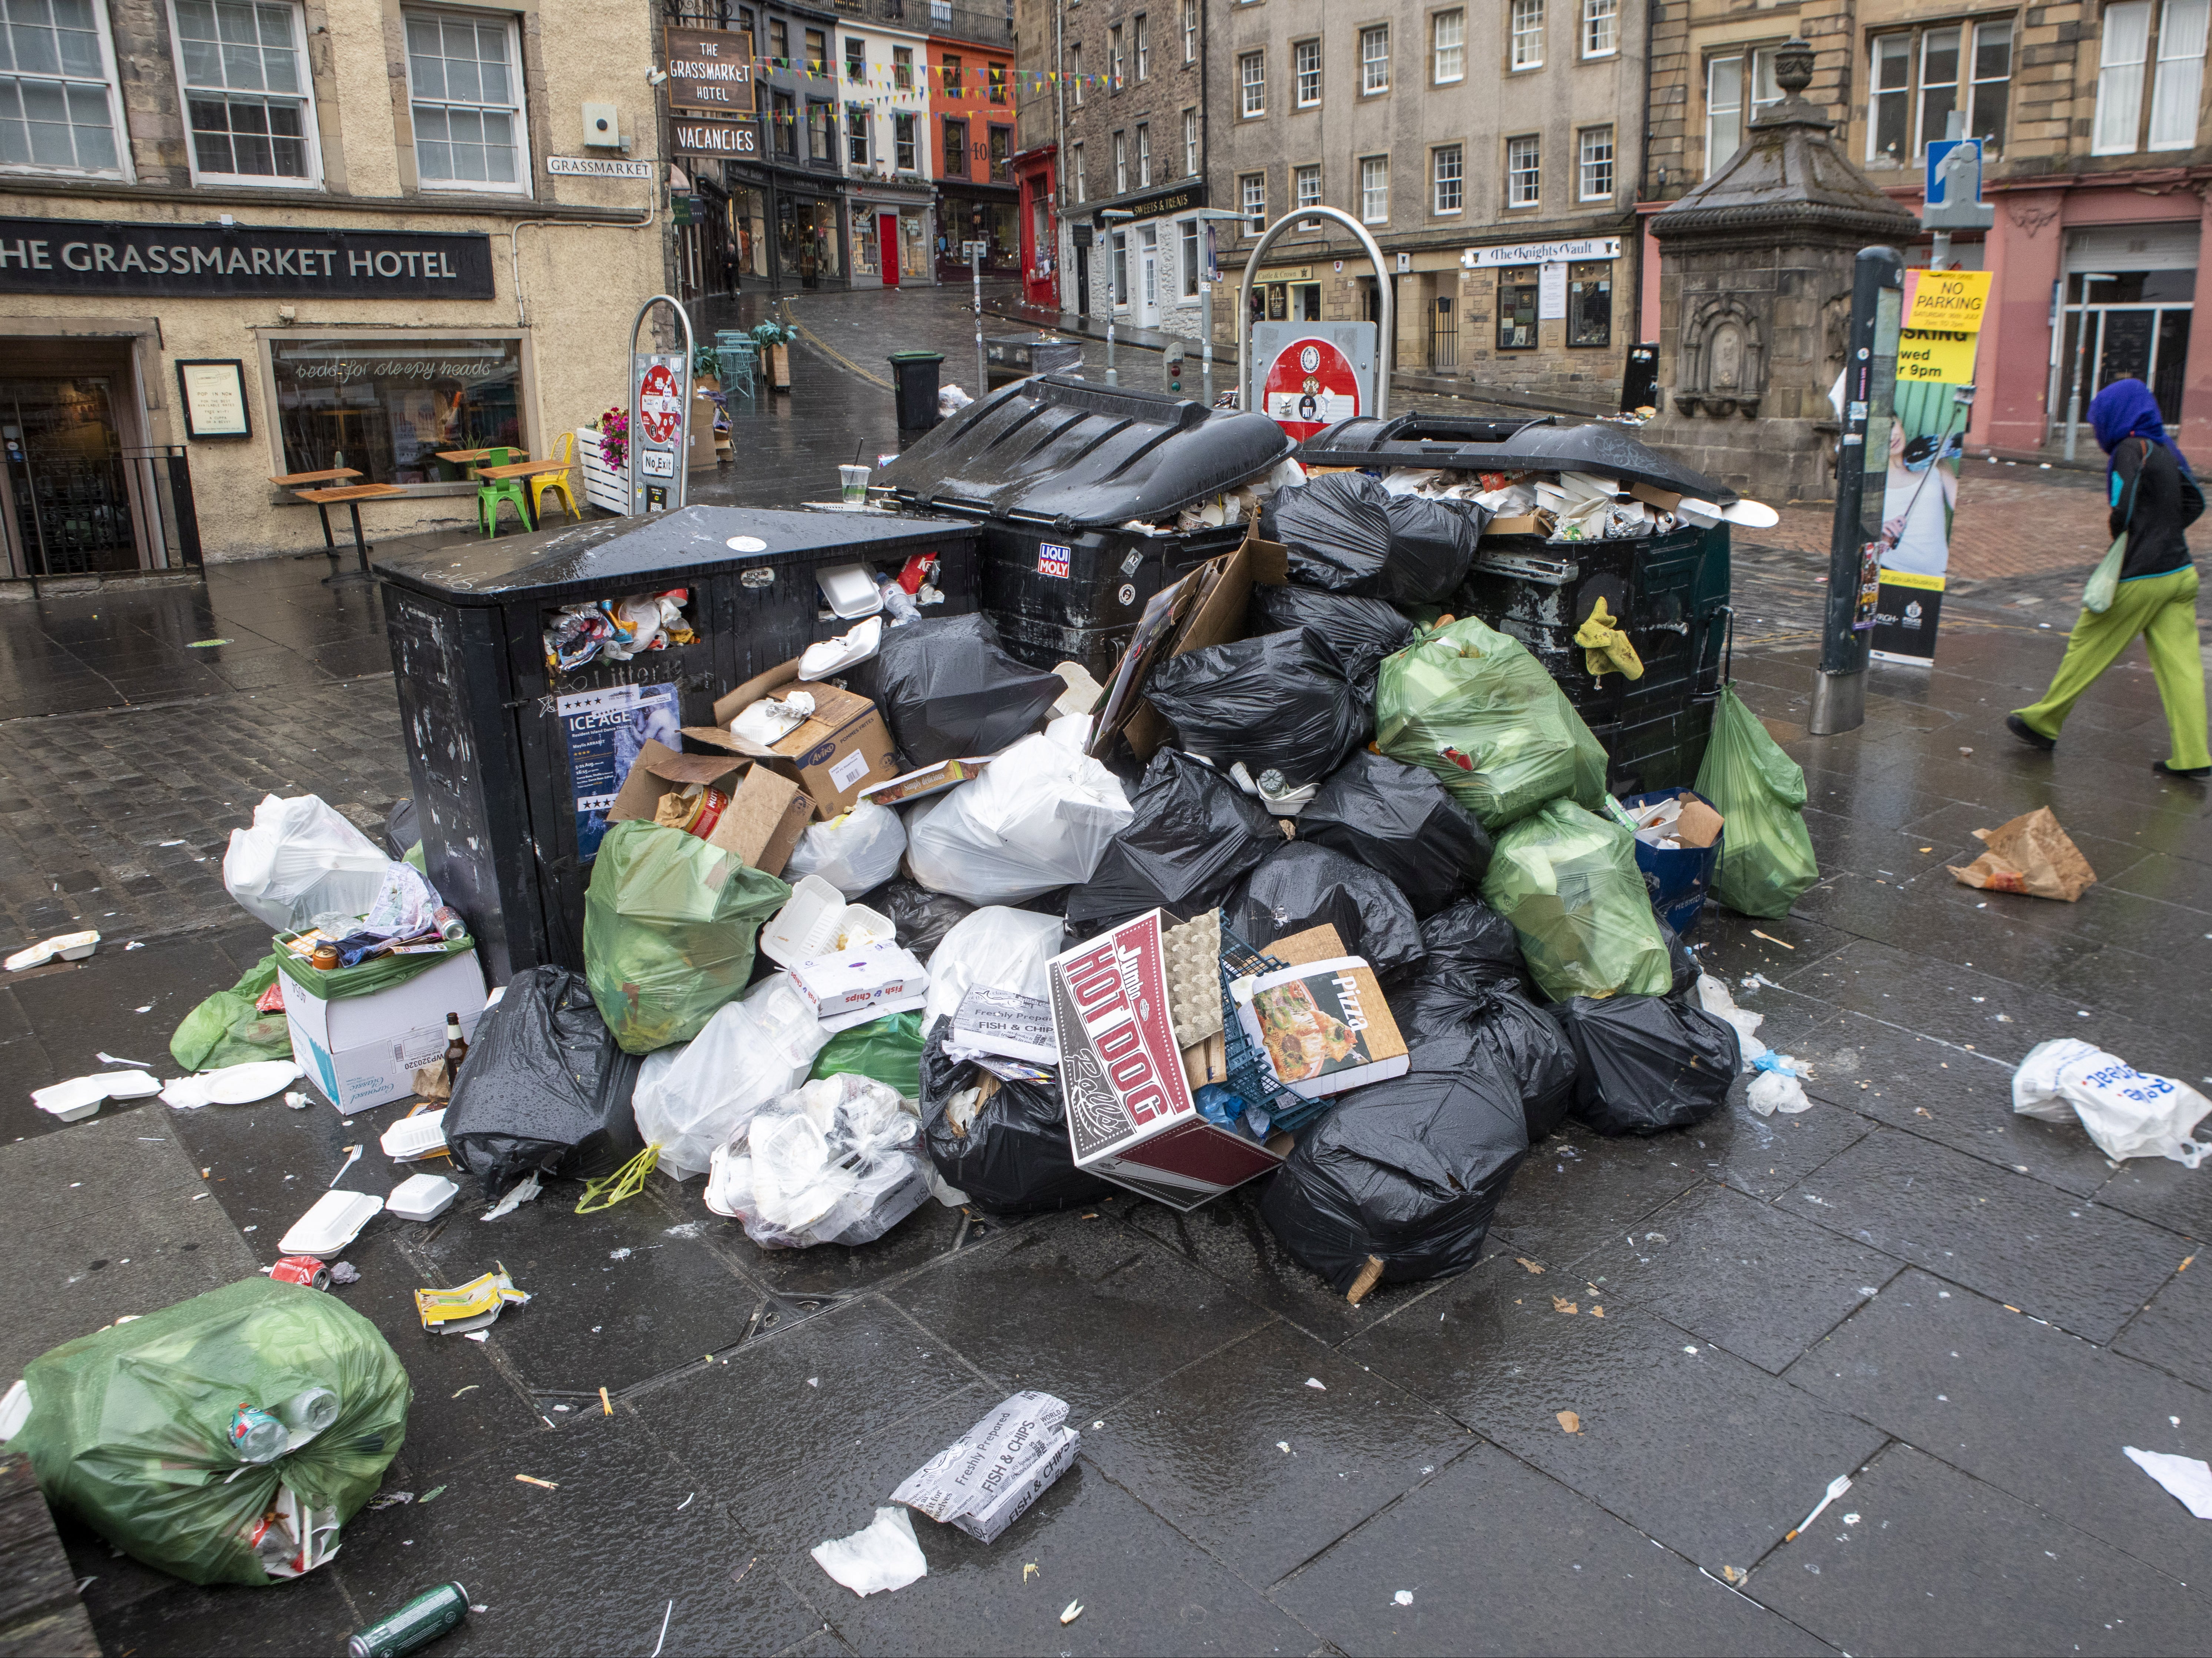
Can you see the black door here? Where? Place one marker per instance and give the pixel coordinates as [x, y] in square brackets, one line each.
[66, 487]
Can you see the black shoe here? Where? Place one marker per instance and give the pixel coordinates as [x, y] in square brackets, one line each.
[2028, 734]
[2196, 773]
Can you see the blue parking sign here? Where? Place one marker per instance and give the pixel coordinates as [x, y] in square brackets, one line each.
[1955, 173]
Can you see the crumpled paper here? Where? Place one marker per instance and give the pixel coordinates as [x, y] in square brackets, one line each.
[877, 1557]
[2031, 854]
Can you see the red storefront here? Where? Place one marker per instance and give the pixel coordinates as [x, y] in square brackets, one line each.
[1034, 172]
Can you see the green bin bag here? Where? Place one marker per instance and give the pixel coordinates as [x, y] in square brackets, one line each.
[888, 1050]
[1767, 856]
[669, 927]
[1567, 881]
[129, 1427]
[364, 978]
[1472, 706]
[226, 1029]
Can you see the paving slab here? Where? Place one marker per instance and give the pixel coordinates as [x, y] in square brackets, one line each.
[2040, 1414]
[1498, 1558]
[2009, 1236]
[1765, 1156]
[2174, 1329]
[1576, 1189]
[2159, 1190]
[1704, 1452]
[1264, 1470]
[1938, 1561]
[1758, 1280]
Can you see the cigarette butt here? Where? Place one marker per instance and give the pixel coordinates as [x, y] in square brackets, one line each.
[533, 1480]
[1772, 939]
[606, 1405]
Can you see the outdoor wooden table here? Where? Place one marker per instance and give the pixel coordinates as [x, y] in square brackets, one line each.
[523, 469]
[328, 474]
[469, 458]
[352, 495]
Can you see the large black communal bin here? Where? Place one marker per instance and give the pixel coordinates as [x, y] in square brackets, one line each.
[1670, 591]
[514, 761]
[1054, 467]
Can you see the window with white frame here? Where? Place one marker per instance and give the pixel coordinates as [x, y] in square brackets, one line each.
[1305, 74]
[1075, 70]
[2175, 65]
[902, 142]
[1190, 259]
[1190, 143]
[1375, 59]
[1114, 59]
[465, 93]
[1524, 169]
[1918, 78]
[1252, 200]
[1120, 163]
[1527, 35]
[1252, 84]
[1375, 190]
[1724, 100]
[1446, 168]
[1305, 192]
[57, 97]
[243, 66]
[1075, 171]
[857, 124]
[1143, 31]
[1594, 165]
[1144, 153]
[1601, 27]
[1447, 48]
[1190, 31]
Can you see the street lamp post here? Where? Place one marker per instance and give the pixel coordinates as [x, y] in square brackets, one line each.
[1115, 218]
[1209, 274]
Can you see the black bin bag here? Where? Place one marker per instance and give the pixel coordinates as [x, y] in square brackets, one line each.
[1402, 821]
[1649, 1062]
[947, 691]
[1300, 885]
[1348, 534]
[1497, 1029]
[1011, 1154]
[545, 1086]
[1407, 1171]
[922, 917]
[1474, 945]
[1362, 631]
[1194, 835]
[1280, 702]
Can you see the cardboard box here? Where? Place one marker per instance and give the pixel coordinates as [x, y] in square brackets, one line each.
[1527, 524]
[837, 985]
[1651, 496]
[1206, 607]
[364, 1050]
[833, 756]
[1131, 1117]
[766, 816]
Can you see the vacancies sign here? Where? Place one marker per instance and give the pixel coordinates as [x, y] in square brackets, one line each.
[177, 261]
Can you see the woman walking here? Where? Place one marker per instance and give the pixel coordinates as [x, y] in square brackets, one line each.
[2152, 498]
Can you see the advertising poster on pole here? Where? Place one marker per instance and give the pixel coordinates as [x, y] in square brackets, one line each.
[1943, 312]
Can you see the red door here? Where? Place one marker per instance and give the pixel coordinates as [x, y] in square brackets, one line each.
[887, 246]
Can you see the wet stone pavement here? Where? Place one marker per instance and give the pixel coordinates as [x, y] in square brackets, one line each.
[1967, 1312]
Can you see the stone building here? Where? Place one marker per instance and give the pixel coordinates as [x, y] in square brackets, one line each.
[1038, 99]
[260, 237]
[2093, 119]
[971, 100]
[1490, 147]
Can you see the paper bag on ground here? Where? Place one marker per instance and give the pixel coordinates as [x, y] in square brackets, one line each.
[984, 1479]
[2030, 854]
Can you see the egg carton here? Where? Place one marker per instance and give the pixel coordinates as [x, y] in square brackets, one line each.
[1194, 966]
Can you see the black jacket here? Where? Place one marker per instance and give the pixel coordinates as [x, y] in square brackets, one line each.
[2166, 500]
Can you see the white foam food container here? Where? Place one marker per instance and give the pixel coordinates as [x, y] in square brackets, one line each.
[816, 922]
[850, 591]
[334, 1221]
[419, 1136]
[421, 1197]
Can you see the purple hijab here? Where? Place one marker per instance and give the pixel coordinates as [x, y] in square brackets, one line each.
[2124, 410]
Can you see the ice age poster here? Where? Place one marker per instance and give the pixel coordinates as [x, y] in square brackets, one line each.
[607, 729]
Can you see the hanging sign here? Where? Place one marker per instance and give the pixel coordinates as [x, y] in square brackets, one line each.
[710, 69]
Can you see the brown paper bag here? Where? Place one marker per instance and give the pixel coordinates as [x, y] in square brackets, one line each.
[2030, 854]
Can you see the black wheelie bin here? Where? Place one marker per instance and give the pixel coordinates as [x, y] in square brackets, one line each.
[514, 759]
[1054, 469]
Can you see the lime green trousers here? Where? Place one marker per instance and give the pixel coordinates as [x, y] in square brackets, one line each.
[2163, 610]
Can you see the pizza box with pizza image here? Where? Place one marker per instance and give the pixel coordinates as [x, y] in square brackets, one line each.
[1323, 1027]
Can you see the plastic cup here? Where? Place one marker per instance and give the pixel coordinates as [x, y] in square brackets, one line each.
[855, 482]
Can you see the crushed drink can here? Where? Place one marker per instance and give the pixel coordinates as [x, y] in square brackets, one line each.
[430, 1614]
[448, 922]
[256, 1436]
[303, 1270]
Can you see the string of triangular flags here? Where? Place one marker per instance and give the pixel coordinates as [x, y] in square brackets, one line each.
[819, 68]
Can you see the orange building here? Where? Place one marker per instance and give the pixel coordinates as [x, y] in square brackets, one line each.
[971, 120]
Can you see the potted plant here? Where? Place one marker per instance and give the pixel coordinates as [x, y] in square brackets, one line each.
[775, 340]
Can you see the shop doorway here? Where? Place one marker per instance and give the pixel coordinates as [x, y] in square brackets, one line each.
[2127, 301]
[1444, 335]
[1083, 279]
[1148, 277]
[887, 241]
[68, 493]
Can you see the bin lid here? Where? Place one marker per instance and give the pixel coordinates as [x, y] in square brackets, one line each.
[1542, 445]
[1057, 449]
[610, 557]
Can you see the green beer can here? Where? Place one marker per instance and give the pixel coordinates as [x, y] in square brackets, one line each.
[430, 1614]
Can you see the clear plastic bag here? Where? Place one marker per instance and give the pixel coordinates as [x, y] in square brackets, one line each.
[836, 1161]
[1567, 881]
[1039, 819]
[999, 948]
[1472, 706]
[853, 852]
[1766, 855]
[692, 1099]
[301, 860]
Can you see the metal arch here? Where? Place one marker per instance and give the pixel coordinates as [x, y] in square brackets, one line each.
[1388, 304]
[635, 436]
